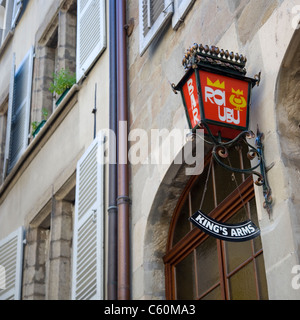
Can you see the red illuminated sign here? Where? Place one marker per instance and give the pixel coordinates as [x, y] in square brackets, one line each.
[189, 90]
[219, 100]
[225, 99]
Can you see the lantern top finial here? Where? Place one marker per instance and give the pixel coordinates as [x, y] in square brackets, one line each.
[198, 55]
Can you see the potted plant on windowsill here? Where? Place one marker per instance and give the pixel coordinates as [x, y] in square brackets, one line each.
[63, 80]
[37, 126]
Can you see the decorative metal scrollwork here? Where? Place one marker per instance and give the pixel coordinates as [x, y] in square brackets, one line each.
[221, 150]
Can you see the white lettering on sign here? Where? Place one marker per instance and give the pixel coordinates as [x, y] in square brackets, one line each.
[229, 232]
[228, 115]
[191, 89]
[218, 97]
[296, 278]
[215, 96]
[212, 226]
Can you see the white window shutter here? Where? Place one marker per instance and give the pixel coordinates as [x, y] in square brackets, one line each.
[16, 12]
[153, 16]
[9, 115]
[2, 16]
[20, 103]
[9, 8]
[91, 34]
[11, 265]
[88, 240]
[181, 8]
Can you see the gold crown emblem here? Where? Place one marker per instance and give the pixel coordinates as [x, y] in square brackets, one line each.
[216, 84]
[238, 92]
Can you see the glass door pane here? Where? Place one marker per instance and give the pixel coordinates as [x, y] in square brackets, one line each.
[237, 252]
[182, 223]
[207, 262]
[185, 278]
[242, 284]
[261, 276]
[198, 192]
[214, 294]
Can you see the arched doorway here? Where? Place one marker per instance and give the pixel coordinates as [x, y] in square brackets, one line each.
[202, 267]
[288, 128]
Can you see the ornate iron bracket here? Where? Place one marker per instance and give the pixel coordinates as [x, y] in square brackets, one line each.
[264, 169]
[221, 151]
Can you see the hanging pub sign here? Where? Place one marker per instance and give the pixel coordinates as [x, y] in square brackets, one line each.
[229, 232]
[215, 91]
[216, 96]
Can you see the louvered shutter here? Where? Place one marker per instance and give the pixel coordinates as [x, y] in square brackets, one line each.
[2, 15]
[9, 8]
[181, 8]
[20, 102]
[11, 265]
[9, 115]
[88, 261]
[153, 15]
[16, 12]
[91, 34]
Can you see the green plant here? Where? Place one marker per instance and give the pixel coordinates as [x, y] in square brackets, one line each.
[36, 124]
[62, 80]
[45, 113]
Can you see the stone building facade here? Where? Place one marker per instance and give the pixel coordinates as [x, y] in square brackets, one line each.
[55, 187]
[265, 32]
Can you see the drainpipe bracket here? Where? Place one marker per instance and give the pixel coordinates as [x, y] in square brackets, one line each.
[123, 200]
[129, 27]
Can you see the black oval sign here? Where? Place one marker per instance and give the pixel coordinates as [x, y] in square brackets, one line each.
[229, 232]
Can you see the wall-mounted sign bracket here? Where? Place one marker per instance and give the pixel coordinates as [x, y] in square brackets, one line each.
[216, 96]
[221, 150]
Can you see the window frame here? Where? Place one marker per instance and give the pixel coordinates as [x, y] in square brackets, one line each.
[157, 26]
[180, 11]
[12, 13]
[17, 9]
[88, 223]
[29, 58]
[177, 252]
[3, 133]
[172, 10]
[15, 287]
[7, 21]
[83, 68]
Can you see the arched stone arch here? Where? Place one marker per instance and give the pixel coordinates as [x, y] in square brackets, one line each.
[157, 229]
[158, 223]
[288, 122]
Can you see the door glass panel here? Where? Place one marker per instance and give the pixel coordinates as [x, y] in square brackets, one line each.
[261, 275]
[207, 265]
[226, 181]
[237, 252]
[242, 284]
[198, 190]
[182, 224]
[185, 278]
[198, 275]
[214, 294]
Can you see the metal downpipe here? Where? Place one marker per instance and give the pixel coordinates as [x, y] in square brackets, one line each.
[112, 272]
[123, 182]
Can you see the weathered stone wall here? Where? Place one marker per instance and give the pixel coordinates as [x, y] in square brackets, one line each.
[37, 195]
[261, 30]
